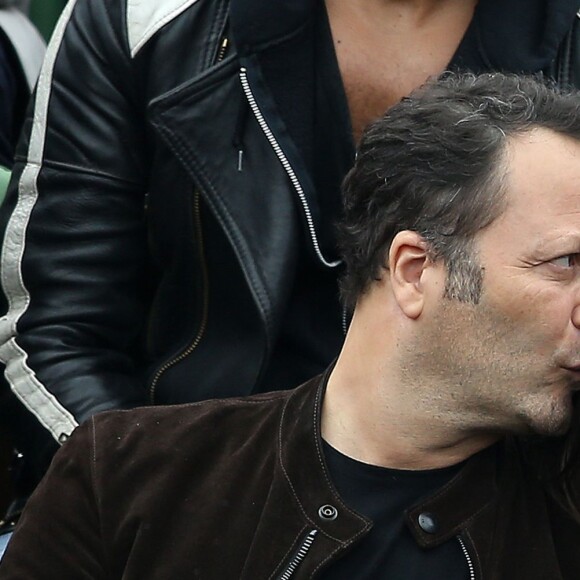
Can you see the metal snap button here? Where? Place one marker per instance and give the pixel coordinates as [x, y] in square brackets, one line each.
[428, 523]
[328, 513]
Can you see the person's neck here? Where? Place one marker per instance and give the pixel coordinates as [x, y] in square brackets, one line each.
[370, 414]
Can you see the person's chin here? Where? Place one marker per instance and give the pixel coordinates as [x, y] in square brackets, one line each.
[558, 418]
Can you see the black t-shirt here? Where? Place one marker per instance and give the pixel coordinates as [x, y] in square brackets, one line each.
[389, 550]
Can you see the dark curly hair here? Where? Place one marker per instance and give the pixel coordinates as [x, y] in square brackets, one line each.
[434, 164]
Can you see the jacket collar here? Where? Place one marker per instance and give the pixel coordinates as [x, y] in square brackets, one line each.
[533, 29]
[258, 25]
[469, 493]
[303, 465]
[458, 502]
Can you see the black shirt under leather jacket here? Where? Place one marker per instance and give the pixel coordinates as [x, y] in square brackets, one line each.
[160, 201]
[237, 489]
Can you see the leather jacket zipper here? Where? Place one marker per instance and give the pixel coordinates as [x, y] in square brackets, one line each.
[205, 302]
[287, 167]
[468, 558]
[205, 279]
[299, 556]
[223, 49]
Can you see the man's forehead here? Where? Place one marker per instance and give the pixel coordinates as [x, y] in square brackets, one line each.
[542, 172]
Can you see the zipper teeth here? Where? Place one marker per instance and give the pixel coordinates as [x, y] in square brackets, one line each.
[203, 325]
[286, 164]
[300, 555]
[468, 558]
[197, 218]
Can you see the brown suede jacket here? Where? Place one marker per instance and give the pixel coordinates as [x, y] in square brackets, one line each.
[238, 489]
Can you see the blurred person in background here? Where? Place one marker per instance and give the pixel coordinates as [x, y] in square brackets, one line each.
[21, 53]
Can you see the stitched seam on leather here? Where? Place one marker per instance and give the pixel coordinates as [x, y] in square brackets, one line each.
[55, 165]
[18, 372]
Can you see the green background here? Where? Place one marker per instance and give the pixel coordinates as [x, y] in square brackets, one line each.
[45, 13]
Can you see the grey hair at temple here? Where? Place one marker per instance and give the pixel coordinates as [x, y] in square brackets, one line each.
[434, 164]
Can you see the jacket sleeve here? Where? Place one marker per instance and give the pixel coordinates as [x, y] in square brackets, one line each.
[74, 256]
[58, 535]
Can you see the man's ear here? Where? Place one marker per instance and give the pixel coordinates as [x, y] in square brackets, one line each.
[408, 259]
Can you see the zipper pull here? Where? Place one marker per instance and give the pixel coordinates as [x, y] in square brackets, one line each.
[238, 141]
[223, 49]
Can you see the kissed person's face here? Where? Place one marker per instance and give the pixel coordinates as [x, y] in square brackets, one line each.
[512, 362]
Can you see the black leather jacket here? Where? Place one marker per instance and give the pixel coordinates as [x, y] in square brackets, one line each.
[158, 205]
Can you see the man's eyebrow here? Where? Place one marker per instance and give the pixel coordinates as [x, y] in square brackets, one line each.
[563, 241]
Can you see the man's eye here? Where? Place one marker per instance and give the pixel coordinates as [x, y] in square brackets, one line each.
[567, 261]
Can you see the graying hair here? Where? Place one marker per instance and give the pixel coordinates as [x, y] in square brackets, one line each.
[434, 164]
